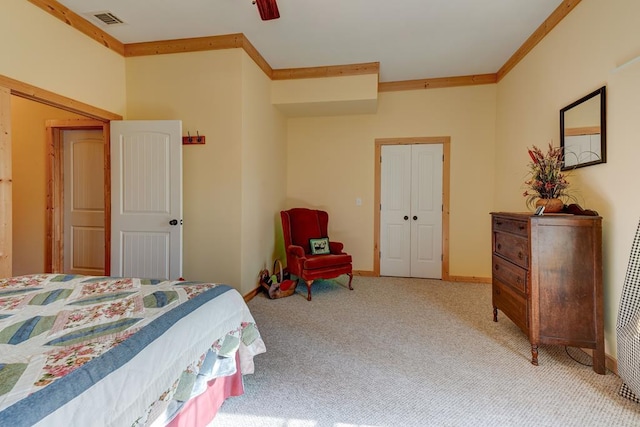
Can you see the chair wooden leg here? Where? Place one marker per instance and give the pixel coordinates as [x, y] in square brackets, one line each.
[350, 279]
[308, 282]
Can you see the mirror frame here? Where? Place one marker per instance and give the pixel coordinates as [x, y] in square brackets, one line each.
[603, 127]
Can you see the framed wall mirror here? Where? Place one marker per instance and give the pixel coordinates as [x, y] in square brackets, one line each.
[583, 137]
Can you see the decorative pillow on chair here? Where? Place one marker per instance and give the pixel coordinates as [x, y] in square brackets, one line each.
[319, 246]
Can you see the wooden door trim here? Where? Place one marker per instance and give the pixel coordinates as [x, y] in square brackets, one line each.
[6, 205]
[446, 167]
[54, 222]
[34, 93]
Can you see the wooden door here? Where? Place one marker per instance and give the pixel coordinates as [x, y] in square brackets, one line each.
[84, 216]
[146, 203]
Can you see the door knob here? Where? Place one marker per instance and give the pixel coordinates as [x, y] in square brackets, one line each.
[415, 217]
[406, 217]
[173, 222]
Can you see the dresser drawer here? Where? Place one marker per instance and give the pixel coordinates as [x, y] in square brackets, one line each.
[511, 304]
[510, 225]
[512, 247]
[510, 274]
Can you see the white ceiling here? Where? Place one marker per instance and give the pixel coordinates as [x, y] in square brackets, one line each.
[412, 39]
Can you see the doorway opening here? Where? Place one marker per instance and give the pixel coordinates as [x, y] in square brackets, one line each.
[58, 242]
[379, 143]
[10, 87]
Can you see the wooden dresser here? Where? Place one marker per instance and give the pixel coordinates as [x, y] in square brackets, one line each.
[547, 278]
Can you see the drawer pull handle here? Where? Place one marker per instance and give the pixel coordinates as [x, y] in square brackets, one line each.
[498, 222]
[497, 267]
[521, 227]
[519, 280]
[499, 246]
[520, 256]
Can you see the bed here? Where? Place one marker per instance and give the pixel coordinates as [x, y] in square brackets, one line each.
[84, 350]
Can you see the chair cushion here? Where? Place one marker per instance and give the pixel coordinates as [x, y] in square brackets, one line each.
[326, 261]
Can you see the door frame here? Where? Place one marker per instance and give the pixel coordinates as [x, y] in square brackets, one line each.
[446, 166]
[54, 222]
[8, 87]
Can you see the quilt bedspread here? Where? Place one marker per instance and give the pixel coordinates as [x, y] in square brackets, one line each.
[104, 349]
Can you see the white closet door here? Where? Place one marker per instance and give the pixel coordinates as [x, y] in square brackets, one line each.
[411, 210]
[395, 197]
[426, 210]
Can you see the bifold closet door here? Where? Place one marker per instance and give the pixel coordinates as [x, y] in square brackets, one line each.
[411, 210]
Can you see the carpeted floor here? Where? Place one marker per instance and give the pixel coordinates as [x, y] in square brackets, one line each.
[412, 352]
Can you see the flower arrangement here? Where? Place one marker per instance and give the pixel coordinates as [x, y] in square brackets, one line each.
[547, 180]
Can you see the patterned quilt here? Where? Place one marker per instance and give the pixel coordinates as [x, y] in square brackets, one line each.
[102, 350]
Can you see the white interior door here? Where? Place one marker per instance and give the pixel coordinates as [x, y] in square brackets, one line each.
[426, 210]
[83, 202]
[411, 210]
[395, 210]
[146, 199]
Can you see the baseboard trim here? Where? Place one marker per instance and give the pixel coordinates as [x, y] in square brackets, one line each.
[364, 273]
[469, 279]
[610, 362]
[249, 296]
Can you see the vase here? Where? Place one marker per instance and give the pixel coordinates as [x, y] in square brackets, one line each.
[550, 205]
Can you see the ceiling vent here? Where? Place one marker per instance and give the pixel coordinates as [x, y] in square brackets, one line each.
[107, 18]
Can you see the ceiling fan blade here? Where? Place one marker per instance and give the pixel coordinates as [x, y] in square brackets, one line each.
[268, 9]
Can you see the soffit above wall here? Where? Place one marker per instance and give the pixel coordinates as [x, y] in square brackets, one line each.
[326, 96]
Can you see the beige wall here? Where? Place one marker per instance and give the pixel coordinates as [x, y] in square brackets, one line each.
[43, 51]
[577, 57]
[231, 195]
[28, 138]
[341, 148]
[203, 89]
[263, 164]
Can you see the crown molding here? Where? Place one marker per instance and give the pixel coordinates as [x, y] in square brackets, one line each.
[326, 71]
[540, 33]
[239, 40]
[436, 83]
[195, 44]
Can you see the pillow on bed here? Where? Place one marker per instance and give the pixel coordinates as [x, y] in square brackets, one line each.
[319, 246]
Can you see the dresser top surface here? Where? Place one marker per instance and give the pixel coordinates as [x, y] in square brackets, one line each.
[526, 215]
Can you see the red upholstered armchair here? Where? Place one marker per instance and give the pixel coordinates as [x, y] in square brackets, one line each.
[298, 226]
